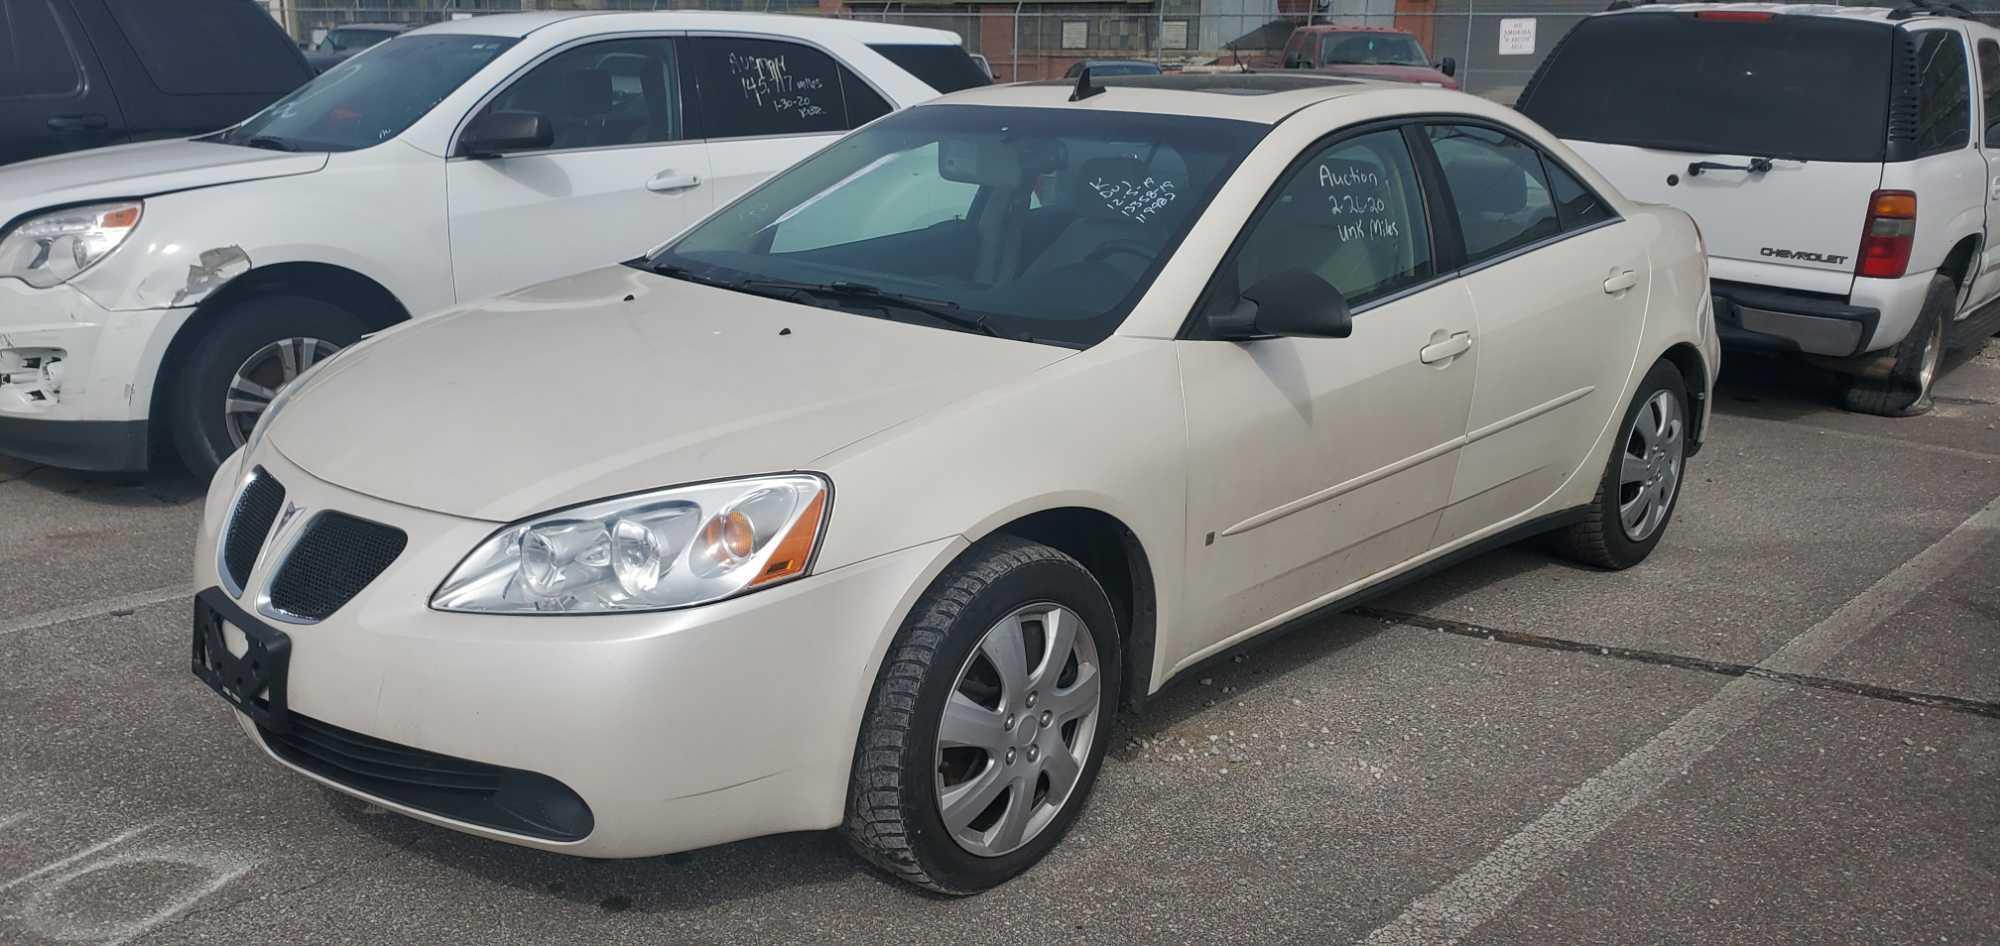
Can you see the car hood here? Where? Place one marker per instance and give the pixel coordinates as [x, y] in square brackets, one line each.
[139, 170]
[616, 381]
[1392, 73]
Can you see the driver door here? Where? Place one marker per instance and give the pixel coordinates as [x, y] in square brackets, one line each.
[625, 172]
[1317, 463]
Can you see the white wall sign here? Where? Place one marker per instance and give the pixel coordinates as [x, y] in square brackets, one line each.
[1517, 37]
[1173, 34]
[1076, 34]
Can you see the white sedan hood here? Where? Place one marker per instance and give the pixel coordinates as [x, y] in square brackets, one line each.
[139, 170]
[569, 391]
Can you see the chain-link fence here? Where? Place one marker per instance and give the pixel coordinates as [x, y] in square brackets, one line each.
[1494, 45]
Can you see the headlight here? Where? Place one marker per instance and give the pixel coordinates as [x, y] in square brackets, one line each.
[51, 249]
[665, 549]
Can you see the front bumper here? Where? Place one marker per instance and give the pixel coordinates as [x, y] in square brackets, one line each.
[76, 380]
[676, 729]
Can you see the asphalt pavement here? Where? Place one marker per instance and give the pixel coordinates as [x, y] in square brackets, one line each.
[1783, 728]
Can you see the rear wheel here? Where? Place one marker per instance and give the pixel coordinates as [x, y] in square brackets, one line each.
[989, 720]
[248, 354]
[1906, 391]
[1641, 483]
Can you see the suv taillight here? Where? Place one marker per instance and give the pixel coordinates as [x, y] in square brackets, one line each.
[1885, 242]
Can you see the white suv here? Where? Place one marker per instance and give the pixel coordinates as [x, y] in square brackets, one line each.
[1843, 163]
[164, 292]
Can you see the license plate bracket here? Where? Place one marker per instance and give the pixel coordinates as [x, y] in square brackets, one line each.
[254, 682]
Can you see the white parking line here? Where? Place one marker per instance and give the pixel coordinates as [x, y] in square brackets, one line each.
[80, 855]
[1477, 895]
[137, 599]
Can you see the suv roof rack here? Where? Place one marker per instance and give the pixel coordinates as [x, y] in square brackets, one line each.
[1916, 8]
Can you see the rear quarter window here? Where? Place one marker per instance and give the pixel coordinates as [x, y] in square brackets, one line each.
[1809, 88]
[944, 68]
[1944, 93]
[181, 46]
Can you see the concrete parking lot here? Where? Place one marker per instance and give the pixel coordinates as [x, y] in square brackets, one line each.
[1783, 728]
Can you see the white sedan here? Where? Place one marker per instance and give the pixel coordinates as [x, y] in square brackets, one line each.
[154, 297]
[870, 500]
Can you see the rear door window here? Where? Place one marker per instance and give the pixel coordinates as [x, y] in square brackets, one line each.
[177, 44]
[37, 58]
[1944, 111]
[1989, 84]
[1808, 88]
[1498, 188]
[753, 87]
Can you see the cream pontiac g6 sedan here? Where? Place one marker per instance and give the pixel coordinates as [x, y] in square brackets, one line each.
[868, 501]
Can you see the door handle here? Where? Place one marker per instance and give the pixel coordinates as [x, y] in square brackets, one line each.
[1446, 349]
[1620, 280]
[1994, 194]
[671, 180]
[74, 123]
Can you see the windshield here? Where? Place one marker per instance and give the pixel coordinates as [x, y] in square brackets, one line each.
[1040, 224]
[1798, 87]
[354, 39]
[371, 98]
[1372, 49]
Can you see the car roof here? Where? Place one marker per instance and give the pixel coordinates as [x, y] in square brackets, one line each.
[392, 27]
[1347, 28]
[1882, 14]
[563, 25]
[1263, 97]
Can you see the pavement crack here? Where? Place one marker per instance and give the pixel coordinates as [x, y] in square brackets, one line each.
[1722, 668]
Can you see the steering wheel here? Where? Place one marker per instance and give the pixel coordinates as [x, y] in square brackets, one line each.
[1114, 247]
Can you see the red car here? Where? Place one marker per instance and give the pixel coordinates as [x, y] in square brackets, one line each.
[1370, 52]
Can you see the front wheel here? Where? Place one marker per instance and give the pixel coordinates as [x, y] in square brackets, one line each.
[244, 358]
[1642, 480]
[989, 720]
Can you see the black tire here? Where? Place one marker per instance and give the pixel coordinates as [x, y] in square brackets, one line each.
[199, 424]
[1906, 392]
[893, 817]
[1600, 540]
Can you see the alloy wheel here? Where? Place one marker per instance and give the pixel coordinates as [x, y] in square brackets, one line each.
[1933, 356]
[263, 375]
[1650, 466]
[1017, 729]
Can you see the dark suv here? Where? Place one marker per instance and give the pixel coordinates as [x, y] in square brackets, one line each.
[80, 74]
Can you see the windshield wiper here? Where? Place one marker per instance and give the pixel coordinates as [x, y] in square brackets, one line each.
[792, 291]
[946, 312]
[266, 142]
[1756, 166]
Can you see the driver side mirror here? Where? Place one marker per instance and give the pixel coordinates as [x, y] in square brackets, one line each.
[496, 133]
[1292, 303]
[1448, 66]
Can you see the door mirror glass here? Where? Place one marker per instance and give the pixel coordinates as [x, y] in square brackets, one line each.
[496, 133]
[1448, 66]
[1292, 303]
